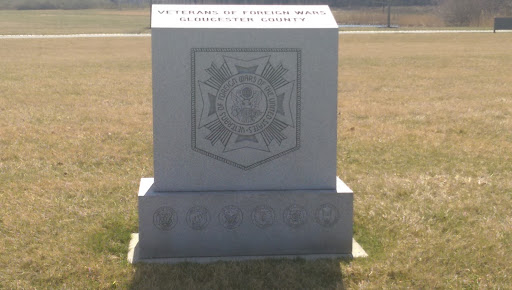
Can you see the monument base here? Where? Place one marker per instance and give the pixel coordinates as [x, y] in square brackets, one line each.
[134, 255]
[210, 226]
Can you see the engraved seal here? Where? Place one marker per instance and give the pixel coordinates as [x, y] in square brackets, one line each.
[295, 216]
[327, 215]
[198, 217]
[263, 216]
[246, 104]
[246, 100]
[230, 217]
[165, 218]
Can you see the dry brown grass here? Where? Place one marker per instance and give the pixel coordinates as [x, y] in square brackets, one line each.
[424, 140]
[426, 144]
[73, 21]
[75, 137]
[129, 12]
[137, 20]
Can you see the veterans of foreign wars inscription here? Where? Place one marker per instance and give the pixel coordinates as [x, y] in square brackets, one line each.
[241, 15]
[245, 143]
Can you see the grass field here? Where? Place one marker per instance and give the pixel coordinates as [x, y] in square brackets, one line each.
[425, 142]
[14, 22]
[73, 21]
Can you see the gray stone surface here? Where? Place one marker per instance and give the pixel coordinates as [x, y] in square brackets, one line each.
[244, 223]
[245, 123]
[240, 107]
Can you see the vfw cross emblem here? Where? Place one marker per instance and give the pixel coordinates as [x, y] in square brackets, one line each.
[245, 104]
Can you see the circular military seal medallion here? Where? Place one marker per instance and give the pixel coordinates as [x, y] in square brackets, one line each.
[295, 216]
[327, 215]
[230, 217]
[246, 104]
[198, 217]
[165, 218]
[263, 216]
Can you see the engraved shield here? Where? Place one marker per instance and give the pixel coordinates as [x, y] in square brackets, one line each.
[245, 104]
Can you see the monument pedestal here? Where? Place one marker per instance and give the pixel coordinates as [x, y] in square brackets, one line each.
[244, 223]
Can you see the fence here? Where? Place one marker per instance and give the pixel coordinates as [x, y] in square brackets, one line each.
[502, 23]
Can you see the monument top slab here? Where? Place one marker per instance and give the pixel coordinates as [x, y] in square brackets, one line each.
[242, 16]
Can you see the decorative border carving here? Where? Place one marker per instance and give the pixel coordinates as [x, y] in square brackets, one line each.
[298, 103]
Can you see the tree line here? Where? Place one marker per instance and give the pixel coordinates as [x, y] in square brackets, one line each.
[335, 3]
[84, 4]
[87, 4]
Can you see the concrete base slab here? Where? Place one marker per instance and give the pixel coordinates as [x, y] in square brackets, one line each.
[134, 255]
[357, 250]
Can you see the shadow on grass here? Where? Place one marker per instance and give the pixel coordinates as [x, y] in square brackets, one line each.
[264, 274]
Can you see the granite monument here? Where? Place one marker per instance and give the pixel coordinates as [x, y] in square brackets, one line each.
[245, 122]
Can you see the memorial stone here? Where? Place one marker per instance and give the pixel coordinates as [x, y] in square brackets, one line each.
[245, 123]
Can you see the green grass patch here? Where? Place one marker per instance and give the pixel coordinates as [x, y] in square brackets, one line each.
[111, 237]
[369, 240]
